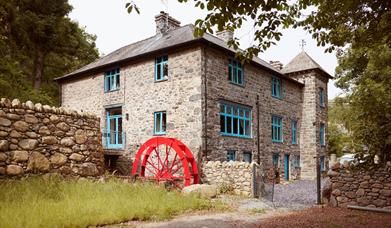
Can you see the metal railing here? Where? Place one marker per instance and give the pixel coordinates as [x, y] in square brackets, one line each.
[113, 139]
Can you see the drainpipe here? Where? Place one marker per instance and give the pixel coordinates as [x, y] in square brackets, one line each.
[258, 142]
[205, 122]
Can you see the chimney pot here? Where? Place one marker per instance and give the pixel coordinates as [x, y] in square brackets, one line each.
[165, 23]
[276, 64]
[225, 35]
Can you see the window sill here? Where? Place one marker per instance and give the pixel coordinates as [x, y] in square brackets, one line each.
[277, 141]
[279, 98]
[110, 91]
[236, 136]
[237, 84]
[162, 80]
[159, 134]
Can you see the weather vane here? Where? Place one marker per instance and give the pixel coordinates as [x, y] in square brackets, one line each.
[302, 44]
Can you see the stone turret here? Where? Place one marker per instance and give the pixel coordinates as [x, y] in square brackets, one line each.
[314, 112]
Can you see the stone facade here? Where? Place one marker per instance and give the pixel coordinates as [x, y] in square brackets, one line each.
[235, 176]
[42, 139]
[370, 188]
[197, 84]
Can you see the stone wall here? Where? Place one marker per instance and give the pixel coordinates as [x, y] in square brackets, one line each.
[371, 188]
[37, 139]
[235, 175]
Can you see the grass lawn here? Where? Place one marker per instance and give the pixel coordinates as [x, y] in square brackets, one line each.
[35, 202]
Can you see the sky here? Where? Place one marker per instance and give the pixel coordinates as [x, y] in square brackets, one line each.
[115, 28]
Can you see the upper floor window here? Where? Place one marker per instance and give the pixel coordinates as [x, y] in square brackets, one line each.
[294, 131]
[231, 155]
[247, 156]
[112, 80]
[161, 68]
[159, 123]
[276, 129]
[321, 97]
[235, 120]
[235, 72]
[276, 87]
[322, 140]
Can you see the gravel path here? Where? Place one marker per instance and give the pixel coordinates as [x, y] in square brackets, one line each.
[297, 195]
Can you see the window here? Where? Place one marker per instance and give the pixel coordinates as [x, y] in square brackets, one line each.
[235, 72]
[322, 140]
[161, 68]
[276, 129]
[247, 156]
[112, 80]
[276, 158]
[321, 161]
[276, 87]
[231, 155]
[235, 120]
[321, 97]
[113, 135]
[296, 161]
[294, 131]
[160, 123]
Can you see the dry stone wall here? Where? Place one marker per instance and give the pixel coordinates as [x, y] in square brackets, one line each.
[360, 187]
[38, 139]
[235, 175]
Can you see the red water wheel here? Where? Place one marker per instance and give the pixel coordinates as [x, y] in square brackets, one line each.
[166, 160]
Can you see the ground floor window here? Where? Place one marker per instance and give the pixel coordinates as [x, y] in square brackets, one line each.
[322, 165]
[296, 161]
[247, 156]
[160, 123]
[113, 134]
[231, 155]
[276, 158]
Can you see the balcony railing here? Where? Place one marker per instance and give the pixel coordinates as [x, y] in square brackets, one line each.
[113, 139]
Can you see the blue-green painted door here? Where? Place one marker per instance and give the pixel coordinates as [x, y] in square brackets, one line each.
[286, 166]
[114, 127]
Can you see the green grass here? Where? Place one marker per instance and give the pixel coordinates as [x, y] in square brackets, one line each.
[35, 202]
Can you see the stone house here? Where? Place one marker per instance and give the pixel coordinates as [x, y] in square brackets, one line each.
[192, 88]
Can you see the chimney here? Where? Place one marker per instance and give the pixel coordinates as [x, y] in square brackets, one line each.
[225, 35]
[276, 64]
[165, 23]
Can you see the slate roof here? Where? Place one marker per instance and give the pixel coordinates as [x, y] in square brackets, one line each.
[302, 62]
[180, 36]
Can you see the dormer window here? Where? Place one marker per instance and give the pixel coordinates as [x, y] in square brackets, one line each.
[235, 72]
[112, 80]
[161, 68]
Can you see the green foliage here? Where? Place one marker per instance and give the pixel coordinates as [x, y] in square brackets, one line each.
[57, 203]
[365, 73]
[39, 42]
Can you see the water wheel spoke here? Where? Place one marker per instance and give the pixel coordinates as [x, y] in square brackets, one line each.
[159, 160]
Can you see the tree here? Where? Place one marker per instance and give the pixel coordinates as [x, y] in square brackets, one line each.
[39, 42]
[332, 22]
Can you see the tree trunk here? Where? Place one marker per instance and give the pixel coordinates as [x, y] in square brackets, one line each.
[38, 69]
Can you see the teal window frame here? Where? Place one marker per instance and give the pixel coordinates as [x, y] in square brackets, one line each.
[294, 131]
[277, 129]
[276, 87]
[235, 120]
[160, 123]
[161, 68]
[322, 138]
[112, 80]
[247, 156]
[321, 97]
[322, 163]
[235, 72]
[276, 159]
[296, 161]
[231, 155]
[115, 135]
